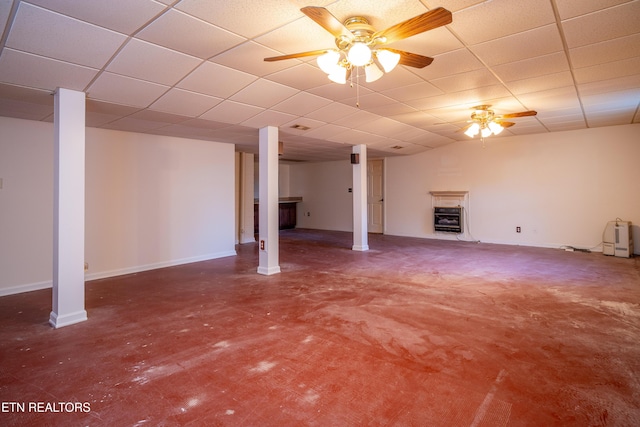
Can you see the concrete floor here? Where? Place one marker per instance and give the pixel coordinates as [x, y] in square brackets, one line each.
[414, 332]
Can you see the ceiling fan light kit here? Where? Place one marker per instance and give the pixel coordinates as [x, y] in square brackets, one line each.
[357, 44]
[485, 122]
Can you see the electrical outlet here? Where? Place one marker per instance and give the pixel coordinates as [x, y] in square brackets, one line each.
[518, 229]
[262, 245]
[86, 266]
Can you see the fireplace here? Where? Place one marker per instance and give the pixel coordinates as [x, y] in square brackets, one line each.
[447, 219]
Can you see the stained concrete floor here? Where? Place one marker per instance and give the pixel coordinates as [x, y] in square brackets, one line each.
[414, 332]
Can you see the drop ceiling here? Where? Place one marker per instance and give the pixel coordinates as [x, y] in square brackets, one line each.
[195, 69]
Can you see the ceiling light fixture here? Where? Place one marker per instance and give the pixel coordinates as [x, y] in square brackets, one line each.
[486, 123]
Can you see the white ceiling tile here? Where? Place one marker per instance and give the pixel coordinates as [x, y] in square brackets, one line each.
[50, 34]
[352, 137]
[615, 86]
[597, 27]
[532, 67]
[610, 118]
[566, 126]
[338, 92]
[25, 103]
[125, 90]
[572, 8]
[415, 91]
[216, 80]
[385, 127]
[124, 16]
[553, 99]
[397, 78]
[301, 104]
[541, 83]
[356, 120]
[464, 99]
[186, 103]
[299, 36]
[627, 100]
[470, 79]
[610, 70]
[5, 9]
[302, 77]
[607, 51]
[25, 69]
[147, 61]
[197, 37]
[325, 131]
[510, 48]
[517, 41]
[369, 100]
[268, 118]
[249, 57]
[291, 127]
[332, 112]
[263, 93]
[482, 23]
[383, 15]
[392, 109]
[231, 112]
[454, 62]
[549, 115]
[129, 124]
[100, 113]
[247, 18]
[430, 43]
[417, 119]
[158, 116]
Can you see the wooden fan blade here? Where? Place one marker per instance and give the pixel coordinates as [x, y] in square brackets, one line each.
[326, 20]
[427, 21]
[296, 55]
[520, 114]
[412, 59]
[464, 129]
[504, 124]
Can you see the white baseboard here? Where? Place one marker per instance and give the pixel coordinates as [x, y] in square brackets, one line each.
[119, 272]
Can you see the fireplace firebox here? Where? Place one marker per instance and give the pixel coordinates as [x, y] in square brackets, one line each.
[447, 219]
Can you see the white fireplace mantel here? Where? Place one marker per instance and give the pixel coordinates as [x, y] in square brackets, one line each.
[449, 193]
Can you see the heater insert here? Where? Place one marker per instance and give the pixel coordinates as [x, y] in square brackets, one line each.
[448, 219]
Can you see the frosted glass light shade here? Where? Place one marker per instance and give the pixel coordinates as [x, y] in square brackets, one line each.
[359, 54]
[388, 59]
[485, 132]
[496, 128]
[328, 61]
[339, 75]
[372, 72]
[473, 130]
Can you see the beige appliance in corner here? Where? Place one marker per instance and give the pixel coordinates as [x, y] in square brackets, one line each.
[617, 239]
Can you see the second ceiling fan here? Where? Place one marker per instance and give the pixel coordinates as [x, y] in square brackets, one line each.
[358, 44]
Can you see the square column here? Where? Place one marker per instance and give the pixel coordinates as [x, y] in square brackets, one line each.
[269, 215]
[68, 216]
[360, 231]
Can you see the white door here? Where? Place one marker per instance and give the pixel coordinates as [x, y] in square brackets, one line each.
[375, 196]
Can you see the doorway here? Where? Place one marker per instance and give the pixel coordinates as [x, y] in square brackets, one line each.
[375, 196]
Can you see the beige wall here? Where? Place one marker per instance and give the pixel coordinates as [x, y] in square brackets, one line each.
[151, 201]
[560, 188]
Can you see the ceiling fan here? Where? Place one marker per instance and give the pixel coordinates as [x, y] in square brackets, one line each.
[358, 44]
[485, 121]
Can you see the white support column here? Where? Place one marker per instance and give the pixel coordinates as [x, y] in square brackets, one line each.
[360, 236]
[268, 218]
[68, 217]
